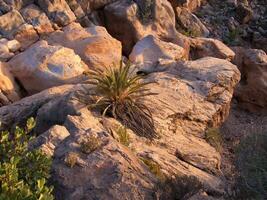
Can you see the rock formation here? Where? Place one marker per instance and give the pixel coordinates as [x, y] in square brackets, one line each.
[46, 48]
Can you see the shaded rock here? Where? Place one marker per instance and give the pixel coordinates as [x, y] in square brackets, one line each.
[244, 13]
[37, 18]
[10, 22]
[49, 66]
[252, 90]
[18, 4]
[129, 17]
[94, 45]
[259, 42]
[50, 139]
[189, 4]
[4, 7]
[8, 87]
[58, 11]
[18, 112]
[148, 51]
[203, 47]
[189, 23]
[5, 54]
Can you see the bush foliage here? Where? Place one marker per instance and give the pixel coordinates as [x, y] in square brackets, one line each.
[120, 93]
[23, 173]
[252, 166]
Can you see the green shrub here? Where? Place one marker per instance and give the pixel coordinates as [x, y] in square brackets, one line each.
[71, 159]
[214, 138]
[178, 188]
[252, 166]
[123, 136]
[90, 144]
[119, 93]
[145, 10]
[23, 173]
[153, 167]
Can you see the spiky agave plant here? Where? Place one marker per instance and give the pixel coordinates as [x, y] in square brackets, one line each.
[120, 92]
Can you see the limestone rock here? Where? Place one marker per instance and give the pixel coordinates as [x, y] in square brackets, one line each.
[203, 47]
[58, 11]
[49, 140]
[37, 18]
[191, 96]
[49, 66]
[189, 4]
[252, 90]
[4, 7]
[18, 4]
[148, 51]
[8, 87]
[10, 22]
[26, 35]
[189, 23]
[13, 45]
[243, 13]
[5, 54]
[139, 19]
[94, 45]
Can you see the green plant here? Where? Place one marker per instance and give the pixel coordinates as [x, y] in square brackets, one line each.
[120, 93]
[232, 37]
[145, 8]
[90, 144]
[178, 188]
[71, 159]
[214, 138]
[153, 167]
[23, 173]
[123, 136]
[251, 162]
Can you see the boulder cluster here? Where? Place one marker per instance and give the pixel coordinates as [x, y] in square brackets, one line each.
[46, 48]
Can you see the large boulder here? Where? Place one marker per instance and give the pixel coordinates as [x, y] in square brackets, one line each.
[48, 66]
[191, 96]
[252, 90]
[58, 11]
[9, 90]
[148, 51]
[203, 47]
[94, 45]
[130, 21]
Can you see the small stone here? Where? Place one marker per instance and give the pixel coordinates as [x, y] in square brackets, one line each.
[13, 45]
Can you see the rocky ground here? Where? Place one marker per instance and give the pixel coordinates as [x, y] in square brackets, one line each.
[47, 46]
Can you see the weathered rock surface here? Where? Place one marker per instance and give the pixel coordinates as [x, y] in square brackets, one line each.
[189, 4]
[203, 47]
[94, 45]
[252, 90]
[9, 90]
[149, 50]
[189, 23]
[58, 11]
[38, 19]
[48, 66]
[9, 23]
[191, 97]
[156, 18]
